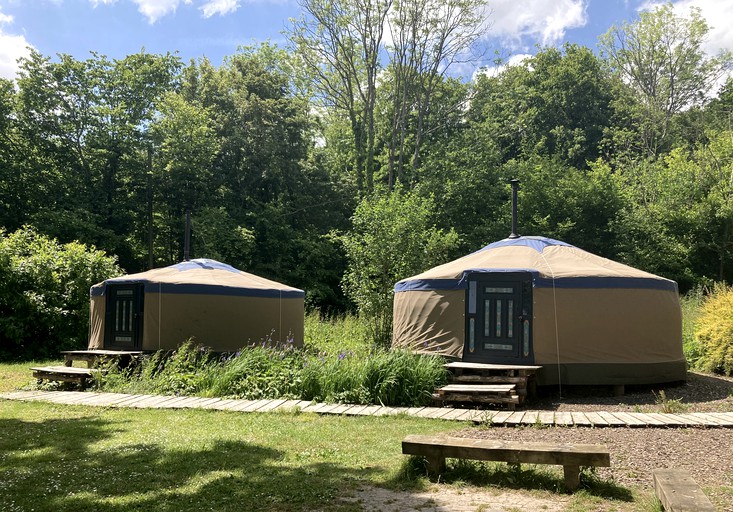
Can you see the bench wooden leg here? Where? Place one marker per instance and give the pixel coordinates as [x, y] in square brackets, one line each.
[572, 477]
[436, 465]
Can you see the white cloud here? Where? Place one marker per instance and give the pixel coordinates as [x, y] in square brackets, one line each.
[153, 10]
[717, 14]
[95, 3]
[220, 7]
[12, 47]
[492, 71]
[539, 20]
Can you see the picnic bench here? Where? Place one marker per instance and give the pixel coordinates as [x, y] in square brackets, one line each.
[679, 492]
[570, 456]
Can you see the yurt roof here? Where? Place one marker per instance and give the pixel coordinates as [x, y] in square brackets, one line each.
[203, 276]
[552, 262]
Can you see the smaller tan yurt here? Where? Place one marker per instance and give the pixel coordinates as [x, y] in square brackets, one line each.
[217, 305]
[537, 301]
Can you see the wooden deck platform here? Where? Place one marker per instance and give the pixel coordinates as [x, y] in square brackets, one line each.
[496, 418]
[95, 357]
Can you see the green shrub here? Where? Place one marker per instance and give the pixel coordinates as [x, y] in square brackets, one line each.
[44, 293]
[336, 334]
[715, 331]
[691, 304]
[338, 364]
[393, 236]
[384, 377]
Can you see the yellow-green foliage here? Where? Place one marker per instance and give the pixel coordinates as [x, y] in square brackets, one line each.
[715, 331]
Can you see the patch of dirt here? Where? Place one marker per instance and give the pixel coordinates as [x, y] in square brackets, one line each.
[446, 499]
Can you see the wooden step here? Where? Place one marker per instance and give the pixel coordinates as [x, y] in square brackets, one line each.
[478, 388]
[490, 378]
[64, 373]
[483, 366]
[479, 393]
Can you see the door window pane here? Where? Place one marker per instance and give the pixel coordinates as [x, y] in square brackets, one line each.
[498, 318]
[510, 319]
[471, 335]
[493, 289]
[487, 318]
[472, 297]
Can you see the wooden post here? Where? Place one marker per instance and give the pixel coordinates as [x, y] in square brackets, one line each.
[436, 465]
[572, 477]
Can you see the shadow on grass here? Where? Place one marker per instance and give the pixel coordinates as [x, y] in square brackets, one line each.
[413, 475]
[76, 465]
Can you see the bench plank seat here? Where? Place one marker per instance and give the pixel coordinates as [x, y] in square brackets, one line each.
[679, 492]
[571, 456]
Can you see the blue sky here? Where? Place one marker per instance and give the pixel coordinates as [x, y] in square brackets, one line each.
[215, 28]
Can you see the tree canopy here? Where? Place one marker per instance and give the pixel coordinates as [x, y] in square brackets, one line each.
[355, 156]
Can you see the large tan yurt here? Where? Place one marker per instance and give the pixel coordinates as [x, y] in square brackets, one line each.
[529, 300]
[217, 305]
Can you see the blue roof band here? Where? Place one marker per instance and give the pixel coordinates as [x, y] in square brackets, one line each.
[203, 263]
[430, 285]
[643, 283]
[203, 289]
[538, 243]
[626, 283]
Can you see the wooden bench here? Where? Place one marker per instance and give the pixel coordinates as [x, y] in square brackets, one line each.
[570, 456]
[678, 492]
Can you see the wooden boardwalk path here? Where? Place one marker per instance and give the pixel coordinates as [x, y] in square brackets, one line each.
[497, 418]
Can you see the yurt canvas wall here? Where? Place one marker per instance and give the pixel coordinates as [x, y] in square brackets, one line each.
[534, 300]
[215, 304]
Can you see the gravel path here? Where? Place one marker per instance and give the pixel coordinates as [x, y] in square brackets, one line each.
[701, 393]
[706, 453]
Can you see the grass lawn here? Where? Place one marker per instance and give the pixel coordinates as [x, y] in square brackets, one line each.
[59, 458]
[74, 458]
[17, 375]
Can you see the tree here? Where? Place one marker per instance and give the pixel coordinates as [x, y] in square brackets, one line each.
[85, 159]
[393, 236]
[556, 104]
[185, 148]
[660, 57]
[427, 38]
[271, 199]
[339, 43]
[44, 293]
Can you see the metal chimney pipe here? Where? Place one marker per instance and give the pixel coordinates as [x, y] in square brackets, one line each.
[187, 237]
[515, 186]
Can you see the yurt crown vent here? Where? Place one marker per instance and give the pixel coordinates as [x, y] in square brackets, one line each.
[515, 186]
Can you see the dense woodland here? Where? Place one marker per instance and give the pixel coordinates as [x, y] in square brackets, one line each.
[357, 155]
